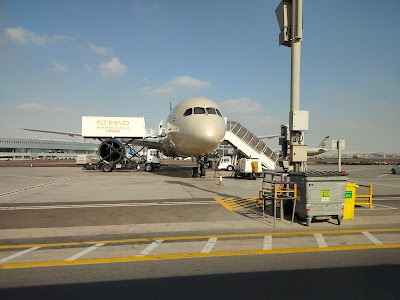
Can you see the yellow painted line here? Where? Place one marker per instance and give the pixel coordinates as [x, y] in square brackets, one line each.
[192, 255]
[40, 245]
[220, 201]
[66, 244]
[202, 237]
[233, 204]
[244, 235]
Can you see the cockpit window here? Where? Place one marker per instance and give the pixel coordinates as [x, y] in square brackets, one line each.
[188, 112]
[202, 111]
[199, 110]
[211, 110]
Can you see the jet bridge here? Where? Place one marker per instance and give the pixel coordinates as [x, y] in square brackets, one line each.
[250, 145]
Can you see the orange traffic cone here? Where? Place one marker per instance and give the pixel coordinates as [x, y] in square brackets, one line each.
[220, 181]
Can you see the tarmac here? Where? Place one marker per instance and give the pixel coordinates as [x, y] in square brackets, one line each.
[168, 201]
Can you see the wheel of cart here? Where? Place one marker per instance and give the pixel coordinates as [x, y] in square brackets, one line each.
[339, 220]
[308, 221]
[148, 167]
[107, 168]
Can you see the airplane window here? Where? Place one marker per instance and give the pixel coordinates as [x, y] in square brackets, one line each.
[199, 110]
[188, 112]
[218, 112]
[211, 110]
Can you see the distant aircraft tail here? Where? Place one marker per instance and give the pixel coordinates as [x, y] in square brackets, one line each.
[323, 144]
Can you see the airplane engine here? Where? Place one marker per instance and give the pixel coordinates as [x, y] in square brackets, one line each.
[107, 152]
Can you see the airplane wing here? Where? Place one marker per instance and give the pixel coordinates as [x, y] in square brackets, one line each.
[55, 132]
[148, 141]
[154, 143]
[269, 136]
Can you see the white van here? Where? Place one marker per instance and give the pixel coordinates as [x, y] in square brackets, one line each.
[396, 169]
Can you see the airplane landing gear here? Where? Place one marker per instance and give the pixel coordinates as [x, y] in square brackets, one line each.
[200, 170]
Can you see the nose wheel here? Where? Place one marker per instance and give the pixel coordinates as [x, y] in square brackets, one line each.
[200, 170]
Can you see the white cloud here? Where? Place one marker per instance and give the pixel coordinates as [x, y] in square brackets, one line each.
[32, 107]
[241, 106]
[26, 37]
[99, 50]
[251, 115]
[36, 107]
[112, 68]
[164, 90]
[189, 82]
[62, 110]
[58, 65]
[88, 68]
[179, 82]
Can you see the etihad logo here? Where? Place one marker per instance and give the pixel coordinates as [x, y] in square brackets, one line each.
[111, 123]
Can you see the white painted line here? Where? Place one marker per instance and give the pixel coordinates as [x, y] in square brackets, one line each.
[382, 175]
[377, 183]
[150, 248]
[354, 170]
[103, 205]
[320, 240]
[32, 187]
[18, 254]
[372, 238]
[267, 242]
[385, 207]
[386, 198]
[209, 246]
[87, 250]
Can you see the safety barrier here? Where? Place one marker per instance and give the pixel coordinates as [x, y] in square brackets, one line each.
[364, 199]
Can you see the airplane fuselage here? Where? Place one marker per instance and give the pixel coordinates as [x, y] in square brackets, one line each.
[195, 127]
[316, 151]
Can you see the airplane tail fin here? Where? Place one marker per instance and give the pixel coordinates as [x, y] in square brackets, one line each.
[323, 144]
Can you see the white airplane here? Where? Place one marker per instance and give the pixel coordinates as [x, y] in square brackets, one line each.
[321, 148]
[194, 127]
[313, 151]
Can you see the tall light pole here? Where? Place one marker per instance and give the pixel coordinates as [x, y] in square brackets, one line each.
[290, 19]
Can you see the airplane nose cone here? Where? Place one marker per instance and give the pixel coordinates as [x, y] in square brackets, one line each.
[207, 134]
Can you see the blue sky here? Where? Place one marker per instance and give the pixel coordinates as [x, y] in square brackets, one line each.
[61, 60]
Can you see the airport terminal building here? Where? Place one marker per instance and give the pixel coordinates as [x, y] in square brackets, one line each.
[16, 148]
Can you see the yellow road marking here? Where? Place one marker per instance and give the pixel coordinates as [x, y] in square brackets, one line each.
[233, 204]
[75, 243]
[193, 255]
[220, 201]
[201, 237]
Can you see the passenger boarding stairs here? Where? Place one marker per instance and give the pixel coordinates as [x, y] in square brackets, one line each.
[250, 145]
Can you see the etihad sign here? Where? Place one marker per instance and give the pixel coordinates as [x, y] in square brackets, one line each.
[112, 123]
[104, 127]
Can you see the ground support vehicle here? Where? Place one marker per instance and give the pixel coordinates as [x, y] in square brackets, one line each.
[114, 158]
[226, 163]
[248, 167]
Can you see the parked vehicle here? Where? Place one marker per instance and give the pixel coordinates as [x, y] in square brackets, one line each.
[396, 169]
[248, 167]
[226, 163]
